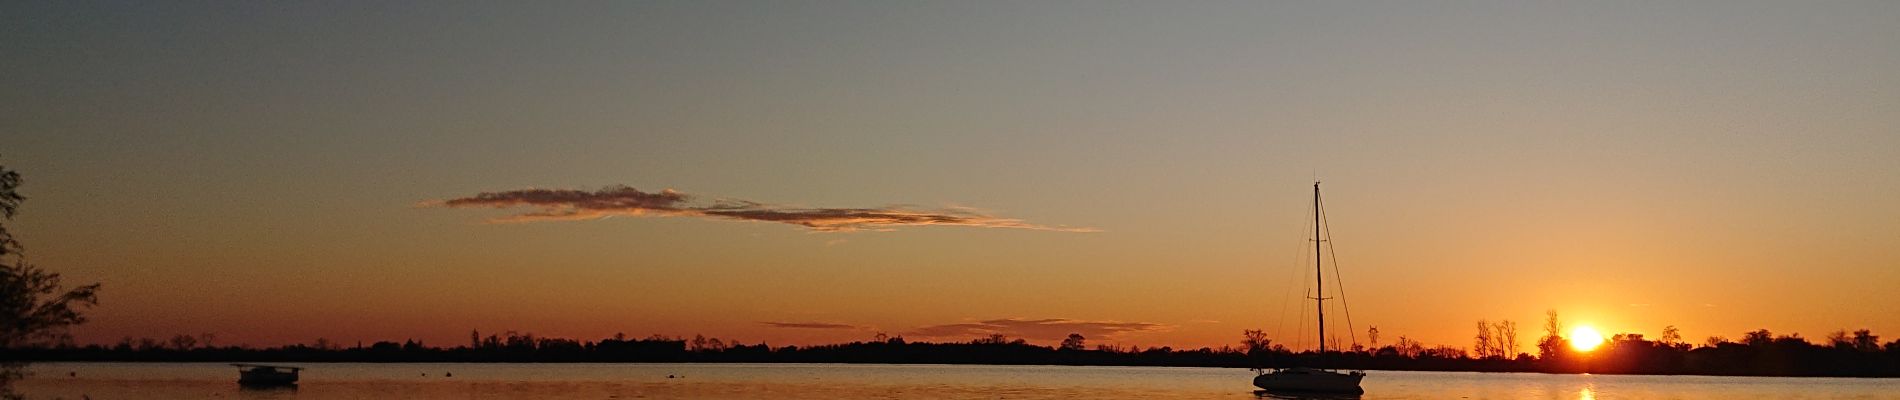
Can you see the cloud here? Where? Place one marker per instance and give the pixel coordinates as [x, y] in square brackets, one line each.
[809, 325]
[620, 200]
[1036, 329]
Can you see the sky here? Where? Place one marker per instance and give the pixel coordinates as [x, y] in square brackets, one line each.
[817, 172]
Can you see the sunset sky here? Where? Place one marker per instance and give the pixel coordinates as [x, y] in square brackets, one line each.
[813, 172]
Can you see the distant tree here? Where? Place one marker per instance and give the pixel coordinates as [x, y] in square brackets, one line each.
[1505, 333]
[1792, 339]
[1255, 340]
[1372, 336]
[1758, 338]
[1715, 341]
[184, 342]
[1671, 336]
[1482, 342]
[1551, 346]
[1075, 341]
[1409, 348]
[34, 310]
[1865, 340]
[1840, 340]
[880, 337]
[1442, 351]
[10, 200]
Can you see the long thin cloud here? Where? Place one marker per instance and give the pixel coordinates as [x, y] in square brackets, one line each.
[1044, 329]
[809, 325]
[620, 200]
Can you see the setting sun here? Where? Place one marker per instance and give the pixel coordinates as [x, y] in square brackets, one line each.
[1585, 338]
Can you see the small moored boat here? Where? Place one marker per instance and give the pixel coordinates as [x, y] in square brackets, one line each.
[266, 375]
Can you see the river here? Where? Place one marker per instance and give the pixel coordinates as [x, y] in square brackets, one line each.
[845, 381]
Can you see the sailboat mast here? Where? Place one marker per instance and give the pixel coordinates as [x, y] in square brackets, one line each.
[1319, 300]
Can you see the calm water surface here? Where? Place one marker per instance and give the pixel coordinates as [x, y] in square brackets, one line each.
[836, 381]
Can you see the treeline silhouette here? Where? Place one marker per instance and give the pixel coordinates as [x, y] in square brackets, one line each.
[1760, 353]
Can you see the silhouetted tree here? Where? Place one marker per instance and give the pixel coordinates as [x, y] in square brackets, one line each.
[1409, 348]
[1075, 341]
[183, 342]
[1865, 340]
[1840, 340]
[1505, 332]
[1481, 348]
[994, 338]
[1671, 336]
[1715, 341]
[1758, 338]
[1551, 346]
[34, 310]
[1255, 340]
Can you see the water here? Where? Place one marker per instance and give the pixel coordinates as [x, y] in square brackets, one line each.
[839, 381]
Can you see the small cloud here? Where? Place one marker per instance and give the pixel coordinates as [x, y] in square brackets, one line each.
[621, 200]
[809, 325]
[1639, 304]
[1708, 305]
[1203, 321]
[1037, 329]
[835, 242]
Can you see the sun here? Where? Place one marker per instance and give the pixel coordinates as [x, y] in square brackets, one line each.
[1585, 338]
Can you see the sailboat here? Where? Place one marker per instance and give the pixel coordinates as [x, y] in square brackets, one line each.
[1314, 380]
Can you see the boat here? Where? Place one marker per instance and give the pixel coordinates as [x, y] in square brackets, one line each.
[266, 375]
[1313, 380]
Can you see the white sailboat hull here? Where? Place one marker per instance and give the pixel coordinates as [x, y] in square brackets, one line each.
[1310, 380]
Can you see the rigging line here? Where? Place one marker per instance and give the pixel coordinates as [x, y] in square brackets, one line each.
[1337, 278]
[1309, 291]
[1299, 341]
